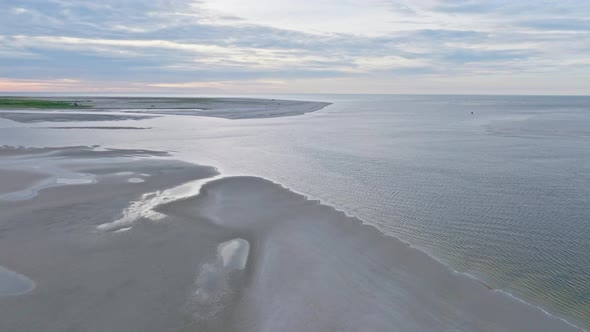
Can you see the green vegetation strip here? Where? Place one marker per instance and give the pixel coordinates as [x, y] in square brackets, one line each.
[36, 103]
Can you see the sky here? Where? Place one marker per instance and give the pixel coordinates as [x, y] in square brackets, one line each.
[296, 46]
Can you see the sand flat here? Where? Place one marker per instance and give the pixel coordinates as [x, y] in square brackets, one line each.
[87, 279]
[228, 108]
[25, 172]
[313, 268]
[227, 254]
[12, 180]
[13, 283]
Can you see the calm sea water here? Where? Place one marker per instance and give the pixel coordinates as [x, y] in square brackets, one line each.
[502, 194]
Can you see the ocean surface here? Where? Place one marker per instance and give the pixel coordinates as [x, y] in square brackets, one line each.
[502, 194]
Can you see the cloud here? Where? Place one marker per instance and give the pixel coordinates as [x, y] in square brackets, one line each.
[559, 24]
[212, 45]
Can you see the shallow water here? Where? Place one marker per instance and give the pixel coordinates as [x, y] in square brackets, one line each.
[501, 194]
[12, 283]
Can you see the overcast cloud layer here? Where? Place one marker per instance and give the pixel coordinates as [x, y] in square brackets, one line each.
[319, 46]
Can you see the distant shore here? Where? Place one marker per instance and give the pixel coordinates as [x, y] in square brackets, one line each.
[228, 108]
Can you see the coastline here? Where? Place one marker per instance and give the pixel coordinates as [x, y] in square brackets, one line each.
[273, 246]
[570, 321]
[567, 320]
[125, 225]
[577, 326]
[145, 108]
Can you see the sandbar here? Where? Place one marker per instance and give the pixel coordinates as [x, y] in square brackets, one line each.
[188, 250]
[227, 108]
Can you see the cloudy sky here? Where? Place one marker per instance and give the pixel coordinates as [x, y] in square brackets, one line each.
[296, 46]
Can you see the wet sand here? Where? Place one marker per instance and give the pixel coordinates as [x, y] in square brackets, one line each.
[171, 253]
[86, 279]
[312, 268]
[24, 172]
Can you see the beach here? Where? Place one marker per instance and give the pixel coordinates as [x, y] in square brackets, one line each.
[96, 238]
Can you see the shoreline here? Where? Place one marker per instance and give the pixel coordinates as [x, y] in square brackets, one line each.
[192, 194]
[433, 257]
[193, 189]
[206, 185]
[220, 177]
[421, 249]
[567, 320]
[337, 236]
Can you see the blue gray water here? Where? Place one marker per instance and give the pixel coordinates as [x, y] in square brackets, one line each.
[12, 283]
[502, 194]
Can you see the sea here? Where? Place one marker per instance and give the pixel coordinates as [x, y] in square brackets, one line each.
[497, 187]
